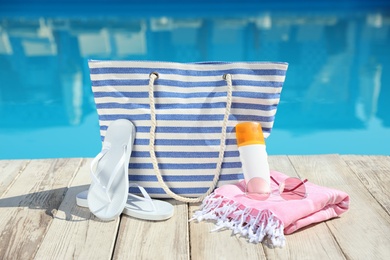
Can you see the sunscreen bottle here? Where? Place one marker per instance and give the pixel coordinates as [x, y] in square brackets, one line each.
[253, 154]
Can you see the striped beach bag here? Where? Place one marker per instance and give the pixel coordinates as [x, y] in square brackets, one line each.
[185, 116]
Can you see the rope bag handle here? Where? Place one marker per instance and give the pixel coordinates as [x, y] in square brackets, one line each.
[152, 77]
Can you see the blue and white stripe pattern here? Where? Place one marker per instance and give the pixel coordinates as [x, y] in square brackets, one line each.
[190, 101]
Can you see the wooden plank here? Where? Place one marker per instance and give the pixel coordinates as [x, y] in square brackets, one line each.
[26, 207]
[142, 239]
[9, 171]
[315, 242]
[363, 231]
[75, 233]
[223, 244]
[374, 173]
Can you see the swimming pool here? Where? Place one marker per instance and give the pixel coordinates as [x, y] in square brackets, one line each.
[335, 98]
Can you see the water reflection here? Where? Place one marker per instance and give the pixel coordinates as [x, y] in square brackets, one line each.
[338, 76]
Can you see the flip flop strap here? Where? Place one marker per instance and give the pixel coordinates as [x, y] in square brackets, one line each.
[119, 165]
[146, 196]
[106, 147]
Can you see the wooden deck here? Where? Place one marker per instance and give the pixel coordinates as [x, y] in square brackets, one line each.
[39, 218]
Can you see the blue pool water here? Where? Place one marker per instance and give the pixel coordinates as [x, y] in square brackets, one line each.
[335, 98]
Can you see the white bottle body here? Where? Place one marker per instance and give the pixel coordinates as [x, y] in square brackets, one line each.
[254, 160]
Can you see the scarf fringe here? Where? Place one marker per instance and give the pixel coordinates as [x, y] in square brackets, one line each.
[264, 227]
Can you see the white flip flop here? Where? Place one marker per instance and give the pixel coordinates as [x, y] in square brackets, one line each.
[107, 194]
[138, 207]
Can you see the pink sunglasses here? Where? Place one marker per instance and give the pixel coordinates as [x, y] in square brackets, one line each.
[290, 189]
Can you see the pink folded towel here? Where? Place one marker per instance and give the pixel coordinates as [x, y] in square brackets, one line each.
[267, 221]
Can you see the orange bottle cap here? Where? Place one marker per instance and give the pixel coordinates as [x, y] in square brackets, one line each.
[249, 133]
